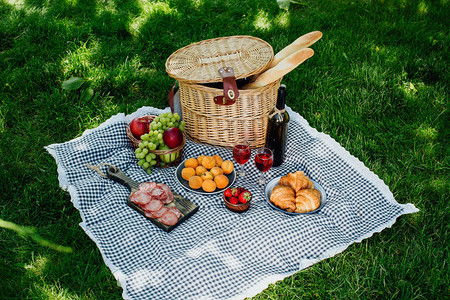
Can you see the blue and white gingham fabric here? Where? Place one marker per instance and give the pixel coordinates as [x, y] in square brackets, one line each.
[217, 254]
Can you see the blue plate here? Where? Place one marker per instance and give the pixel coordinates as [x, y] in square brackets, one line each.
[184, 183]
[271, 184]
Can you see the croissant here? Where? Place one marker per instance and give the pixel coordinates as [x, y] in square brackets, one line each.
[283, 197]
[297, 181]
[295, 193]
[307, 200]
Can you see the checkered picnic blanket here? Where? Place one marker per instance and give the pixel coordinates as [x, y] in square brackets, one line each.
[218, 254]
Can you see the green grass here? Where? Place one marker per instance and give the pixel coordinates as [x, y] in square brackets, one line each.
[378, 84]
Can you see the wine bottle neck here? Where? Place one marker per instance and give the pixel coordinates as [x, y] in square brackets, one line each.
[281, 98]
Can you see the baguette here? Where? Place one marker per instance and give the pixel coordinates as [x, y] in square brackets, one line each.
[281, 69]
[300, 43]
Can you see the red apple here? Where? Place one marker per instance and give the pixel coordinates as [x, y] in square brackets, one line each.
[138, 127]
[173, 137]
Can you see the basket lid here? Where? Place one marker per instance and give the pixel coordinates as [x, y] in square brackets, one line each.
[199, 62]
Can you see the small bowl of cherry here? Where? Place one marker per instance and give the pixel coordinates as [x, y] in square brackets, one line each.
[237, 199]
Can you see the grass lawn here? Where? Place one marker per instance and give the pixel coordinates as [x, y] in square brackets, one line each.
[378, 84]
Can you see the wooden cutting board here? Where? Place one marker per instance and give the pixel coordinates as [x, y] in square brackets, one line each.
[186, 207]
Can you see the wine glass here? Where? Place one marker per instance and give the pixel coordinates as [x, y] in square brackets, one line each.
[241, 154]
[263, 162]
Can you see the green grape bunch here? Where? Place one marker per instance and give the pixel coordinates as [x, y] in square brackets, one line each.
[154, 138]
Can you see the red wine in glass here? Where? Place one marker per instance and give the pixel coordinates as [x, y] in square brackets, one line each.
[241, 154]
[263, 162]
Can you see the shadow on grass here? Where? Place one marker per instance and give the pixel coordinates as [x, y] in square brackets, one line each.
[31, 233]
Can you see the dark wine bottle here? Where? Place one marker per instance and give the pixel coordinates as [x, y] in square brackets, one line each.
[277, 128]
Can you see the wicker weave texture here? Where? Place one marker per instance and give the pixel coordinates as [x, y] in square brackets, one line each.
[218, 125]
[199, 62]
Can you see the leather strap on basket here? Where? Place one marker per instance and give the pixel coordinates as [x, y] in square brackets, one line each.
[230, 89]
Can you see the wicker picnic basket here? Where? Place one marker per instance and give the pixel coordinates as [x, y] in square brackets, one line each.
[220, 125]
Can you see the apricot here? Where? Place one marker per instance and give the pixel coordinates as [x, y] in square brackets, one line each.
[227, 166]
[216, 171]
[200, 170]
[199, 159]
[207, 175]
[221, 181]
[187, 173]
[195, 182]
[191, 163]
[218, 160]
[209, 185]
[208, 162]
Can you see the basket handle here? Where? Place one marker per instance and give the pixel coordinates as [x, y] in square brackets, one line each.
[170, 97]
[230, 89]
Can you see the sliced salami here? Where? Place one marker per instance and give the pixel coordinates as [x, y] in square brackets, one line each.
[168, 195]
[169, 218]
[147, 186]
[140, 197]
[157, 192]
[149, 214]
[169, 199]
[175, 210]
[159, 213]
[153, 205]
